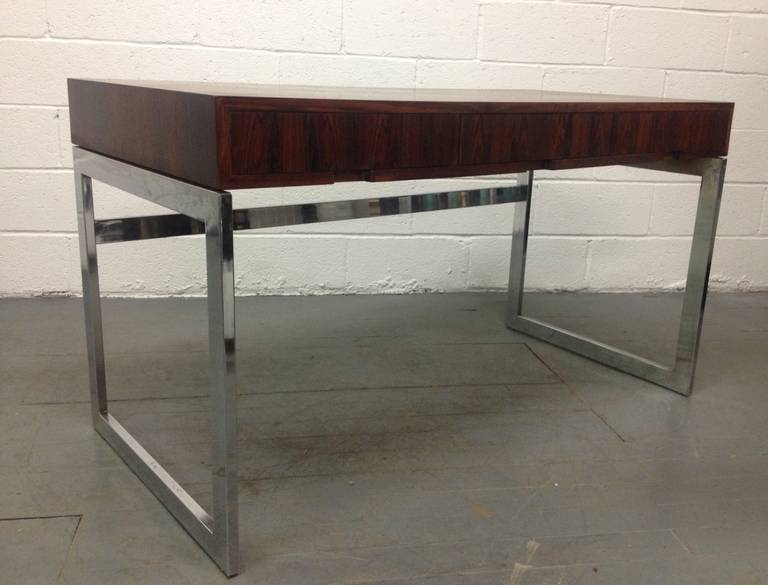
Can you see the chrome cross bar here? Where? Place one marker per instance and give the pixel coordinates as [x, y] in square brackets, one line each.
[164, 226]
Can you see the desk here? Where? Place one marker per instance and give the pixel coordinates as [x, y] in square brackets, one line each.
[183, 145]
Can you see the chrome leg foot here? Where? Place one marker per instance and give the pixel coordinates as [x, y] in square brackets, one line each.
[678, 377]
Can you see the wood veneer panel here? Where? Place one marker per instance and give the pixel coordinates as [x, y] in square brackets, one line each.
[428, 140]
[632, 133]
[227, 136]
[496, 138]
[365, 141]
[591, 134]
[263, 142]
[168, 131]
[694, 133]
[280, 142]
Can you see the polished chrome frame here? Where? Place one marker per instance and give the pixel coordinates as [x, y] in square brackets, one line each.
[678, 377]
[203, 211]
[217, 532]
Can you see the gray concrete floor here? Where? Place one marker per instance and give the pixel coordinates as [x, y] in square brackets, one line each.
[393, 440]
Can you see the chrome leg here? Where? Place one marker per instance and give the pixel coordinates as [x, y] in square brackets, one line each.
[89, 269]
[217, 533]
[519, 249]
[678, 377]
[223, 391]
[699, 264]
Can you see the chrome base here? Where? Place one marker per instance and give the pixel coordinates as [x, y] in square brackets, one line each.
[216, 532]
[203, 211]
[678, 377]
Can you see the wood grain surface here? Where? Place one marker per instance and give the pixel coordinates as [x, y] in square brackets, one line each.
[229, 136]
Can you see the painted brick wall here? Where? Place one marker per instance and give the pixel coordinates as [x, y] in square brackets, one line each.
[603, 229]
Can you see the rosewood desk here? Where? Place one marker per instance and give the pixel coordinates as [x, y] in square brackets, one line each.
[183, 145]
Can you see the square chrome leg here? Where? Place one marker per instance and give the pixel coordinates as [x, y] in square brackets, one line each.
[216, 532]
[91, 295]
[223, 387]
[678, 377]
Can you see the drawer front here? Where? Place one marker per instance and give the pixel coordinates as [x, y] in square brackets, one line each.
[305, 147]
[280, 142]
[500, 138]
[395, 141]
[503, 138]
[637, 133]
[264, 142]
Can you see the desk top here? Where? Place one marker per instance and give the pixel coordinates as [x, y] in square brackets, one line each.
[229, 136]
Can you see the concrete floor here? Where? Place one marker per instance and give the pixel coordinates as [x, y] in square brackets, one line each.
[393, 440]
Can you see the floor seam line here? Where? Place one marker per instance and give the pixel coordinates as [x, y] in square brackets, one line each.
[602, 418]
[69, 548]
[677, 537]
[546, 365]
[43, 517]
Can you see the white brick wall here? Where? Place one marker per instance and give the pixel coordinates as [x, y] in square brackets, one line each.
[602, 229]
[543, 32]
[665, 38]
